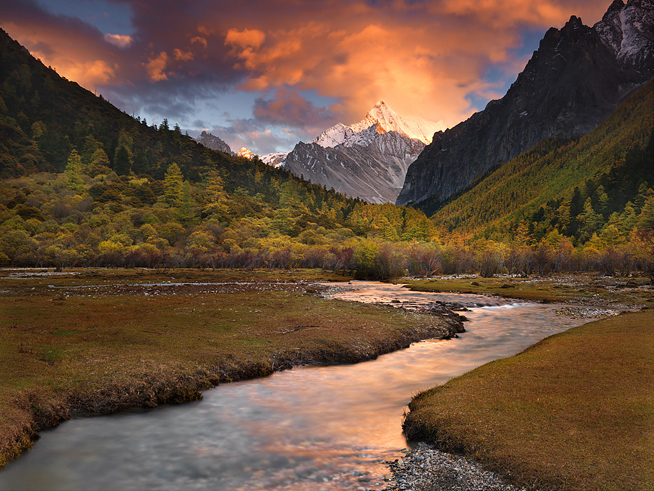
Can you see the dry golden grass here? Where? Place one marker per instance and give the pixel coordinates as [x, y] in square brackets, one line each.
[109, 340]
[574, 412]
[554, 288]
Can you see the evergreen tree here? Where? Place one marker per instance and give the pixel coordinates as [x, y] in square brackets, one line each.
[646, 217]
[74, 170]
[99, 163]
[122, 164]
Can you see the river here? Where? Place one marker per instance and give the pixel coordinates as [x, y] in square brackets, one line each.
[309, 428]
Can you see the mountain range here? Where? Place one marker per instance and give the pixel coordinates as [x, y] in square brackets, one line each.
[367, 160]
[69, 158]
[573, 81]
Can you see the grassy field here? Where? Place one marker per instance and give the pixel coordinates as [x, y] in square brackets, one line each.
[574, 412]
[104, 341]
[584, 288]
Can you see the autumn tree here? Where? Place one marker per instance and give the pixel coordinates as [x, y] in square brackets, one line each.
[173, 185]
[74, 170]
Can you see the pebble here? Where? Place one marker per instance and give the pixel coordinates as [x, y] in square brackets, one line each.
[426, 469]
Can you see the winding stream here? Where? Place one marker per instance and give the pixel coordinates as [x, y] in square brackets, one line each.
[310, 428]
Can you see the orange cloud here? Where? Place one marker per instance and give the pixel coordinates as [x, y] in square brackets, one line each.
[182, 55]
[417, 71]
[423, 58]
[156, 67]
[247, 38]
[120, 40]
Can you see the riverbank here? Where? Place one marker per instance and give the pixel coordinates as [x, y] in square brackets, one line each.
[575, 411]
[587, 289]
[104, 341]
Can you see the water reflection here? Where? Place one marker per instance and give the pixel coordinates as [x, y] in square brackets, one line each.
[309, 428]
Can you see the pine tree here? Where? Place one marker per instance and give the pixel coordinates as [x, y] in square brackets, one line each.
[99, 163]
[122, 162]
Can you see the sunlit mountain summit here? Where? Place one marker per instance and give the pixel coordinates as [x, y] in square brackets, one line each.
[367, 159]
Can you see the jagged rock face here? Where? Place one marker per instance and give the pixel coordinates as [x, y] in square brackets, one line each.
[275, 159]
[628, 32]
[366, 160]
[213, 142]
[373, 172]
[572, 83]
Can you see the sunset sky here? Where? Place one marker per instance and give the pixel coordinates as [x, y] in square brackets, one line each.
[266, 74]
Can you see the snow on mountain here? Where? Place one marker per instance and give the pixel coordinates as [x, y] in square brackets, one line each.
[368, 159]
[380, 119]
[373, 172]
[275, 159]
[245, 153]
[627, 31]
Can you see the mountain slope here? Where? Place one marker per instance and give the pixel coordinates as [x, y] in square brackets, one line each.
[569, 86]
[47, 116]
[373, 172]
[43, 117]
[367, 160]
[547, 187]
[213, 142]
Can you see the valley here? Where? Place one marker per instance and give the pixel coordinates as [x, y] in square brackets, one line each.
[237, 326]
[257, 289]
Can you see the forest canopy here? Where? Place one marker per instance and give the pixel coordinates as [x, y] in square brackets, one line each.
[84, 184]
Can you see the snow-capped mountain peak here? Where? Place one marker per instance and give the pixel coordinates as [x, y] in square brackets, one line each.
[383, 119]
[275, 159]
[245, 153]
[626, 30]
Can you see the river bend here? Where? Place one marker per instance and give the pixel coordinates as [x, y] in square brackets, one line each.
[309, 428]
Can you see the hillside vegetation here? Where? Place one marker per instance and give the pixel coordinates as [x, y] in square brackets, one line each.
[84, 184]
[599, 184]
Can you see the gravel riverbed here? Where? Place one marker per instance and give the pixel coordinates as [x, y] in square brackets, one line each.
[426, 469]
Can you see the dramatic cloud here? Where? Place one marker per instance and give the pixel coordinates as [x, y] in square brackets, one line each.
[156, 67]
[303, 64]
[290, 108]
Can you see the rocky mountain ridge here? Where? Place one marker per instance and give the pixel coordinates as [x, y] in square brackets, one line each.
[373, 172]
[367, 160]
[213, 142]
[573, 82]
[385, 120]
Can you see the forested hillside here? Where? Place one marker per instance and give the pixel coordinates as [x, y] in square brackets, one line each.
[84, 184]
[43, 117]
[600, 184]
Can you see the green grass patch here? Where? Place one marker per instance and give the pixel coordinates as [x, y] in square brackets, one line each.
[575, 411]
